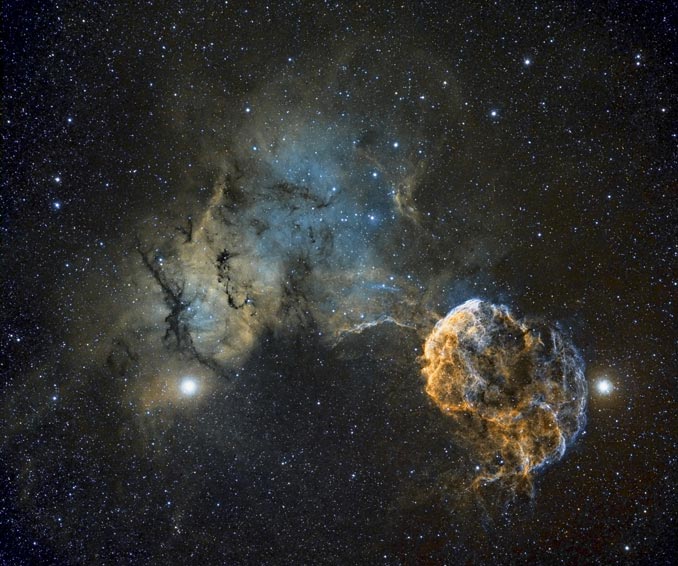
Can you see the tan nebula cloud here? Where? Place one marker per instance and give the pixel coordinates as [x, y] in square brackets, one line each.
[514, 388]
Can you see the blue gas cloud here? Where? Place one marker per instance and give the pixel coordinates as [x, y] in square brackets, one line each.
[293, 236]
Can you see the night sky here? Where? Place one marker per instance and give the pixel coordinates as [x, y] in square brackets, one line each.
[336, 283]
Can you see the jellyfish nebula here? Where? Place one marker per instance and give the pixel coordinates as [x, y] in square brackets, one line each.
[514, 388]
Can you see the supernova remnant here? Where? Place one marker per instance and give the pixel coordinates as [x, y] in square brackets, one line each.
[514, 387]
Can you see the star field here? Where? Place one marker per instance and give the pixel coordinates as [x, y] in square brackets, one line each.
[232, 234]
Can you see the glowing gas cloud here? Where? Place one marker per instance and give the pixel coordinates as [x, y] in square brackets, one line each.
[514, 388]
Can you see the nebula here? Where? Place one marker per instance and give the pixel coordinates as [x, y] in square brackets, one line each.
[515, 389]
[295, 235]
[267, 254]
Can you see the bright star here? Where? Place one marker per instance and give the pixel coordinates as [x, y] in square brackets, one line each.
[604, 386]
[527, 62]
[188, 386]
